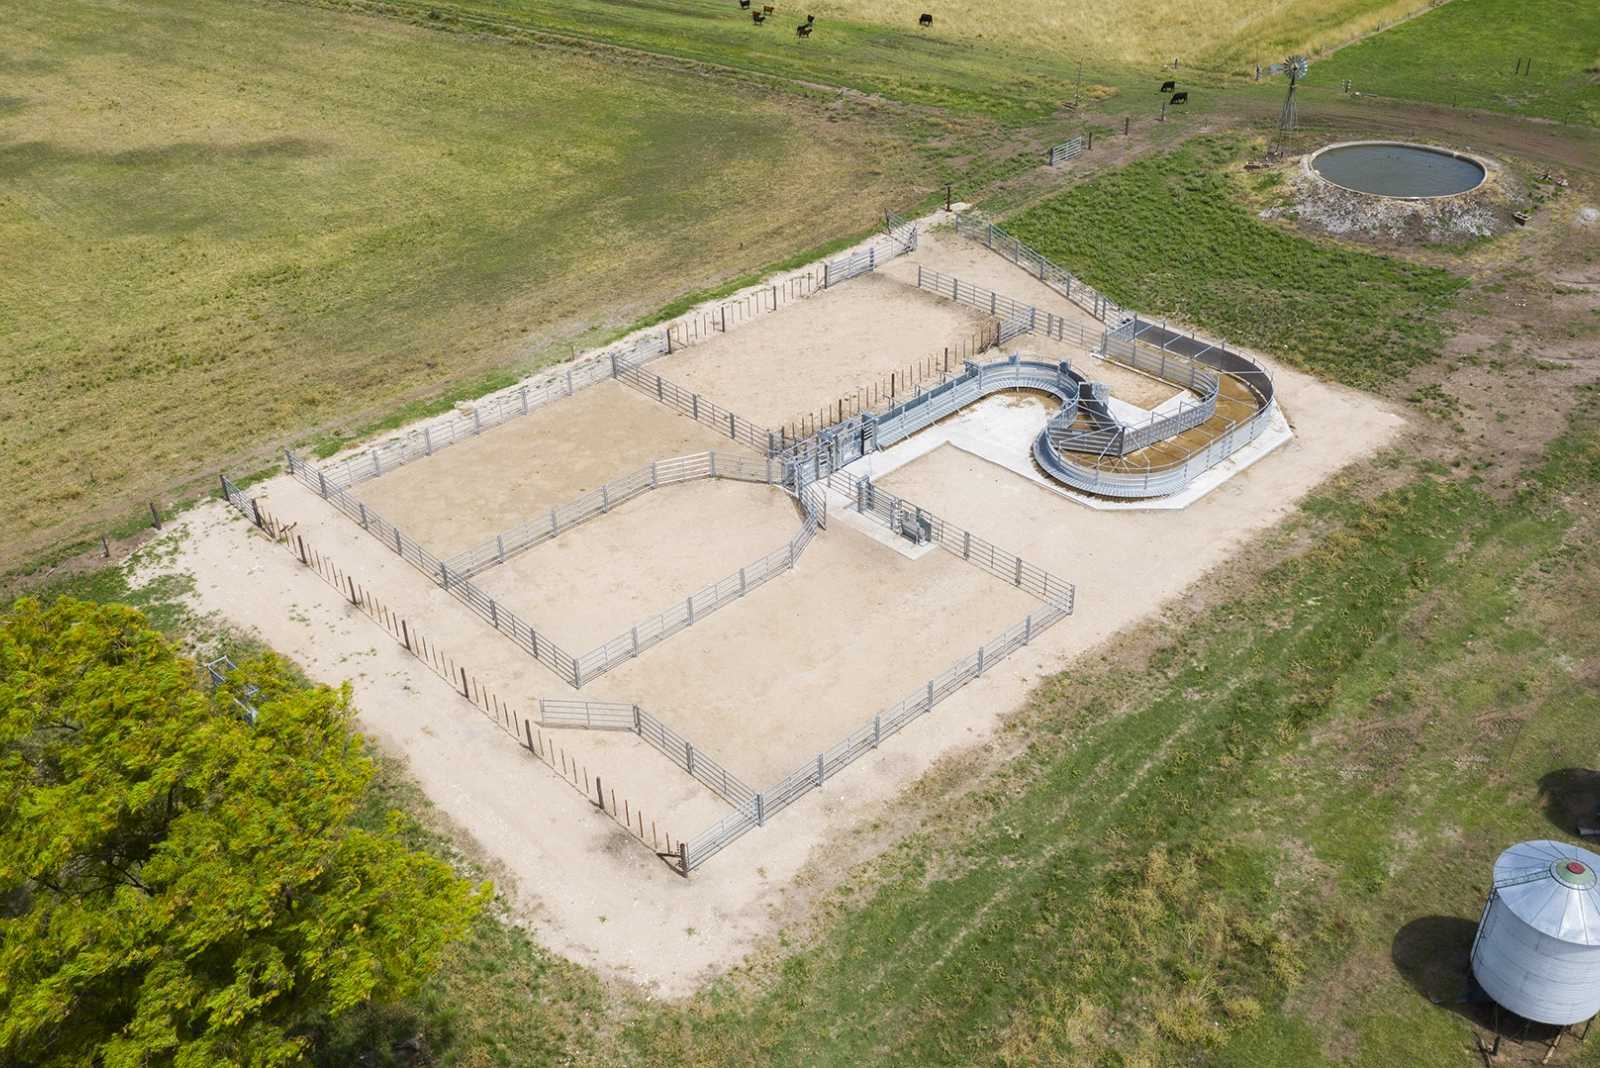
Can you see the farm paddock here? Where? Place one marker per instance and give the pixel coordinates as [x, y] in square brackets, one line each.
[767, 679]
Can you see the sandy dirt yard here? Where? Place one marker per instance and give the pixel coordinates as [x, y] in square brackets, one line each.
[773, 679]
[810, 353]
[464, 494]
[596, 580]
[812, 652]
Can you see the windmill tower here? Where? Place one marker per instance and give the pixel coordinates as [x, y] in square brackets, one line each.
[1295, 67]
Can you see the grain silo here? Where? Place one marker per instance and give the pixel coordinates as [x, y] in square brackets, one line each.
[1537, 951]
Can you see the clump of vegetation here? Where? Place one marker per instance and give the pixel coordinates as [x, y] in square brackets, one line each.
[1167, 235]
[178, 886]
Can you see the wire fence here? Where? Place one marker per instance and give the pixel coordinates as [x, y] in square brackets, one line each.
[467, 685]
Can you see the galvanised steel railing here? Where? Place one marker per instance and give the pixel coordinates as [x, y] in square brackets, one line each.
[602, 499]
[614, 716]
[507, 622]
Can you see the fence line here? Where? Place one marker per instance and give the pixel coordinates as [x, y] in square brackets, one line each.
[1015, 317]
[599, 501]
[467, 685]
[1058, 597]
[1062, 281]
[537, 644]
[891, 389]
[698, 408]
[658, 628]
[613, 716]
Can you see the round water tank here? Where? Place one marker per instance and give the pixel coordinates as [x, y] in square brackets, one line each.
[1537, 952]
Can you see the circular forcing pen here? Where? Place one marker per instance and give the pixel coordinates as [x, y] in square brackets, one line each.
[1391, 169]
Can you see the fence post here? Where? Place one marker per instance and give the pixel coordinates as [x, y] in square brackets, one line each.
[872, 257]
[1027, 630]
[464, 684]
[255, 507]
[363, 515]
[500, 545]
[477, 421]
[689, 602]
[637, 726]
[877, 728]
[1018, 580]
[980, 660]
[605, 499]
[635, 641]
[444, 575]
[524, 392]
[741, 582]
[569, 383]
[427, 441]
[733, 431]
[405, 634]
[397, 541]
[494, 614]
[930, 695]
[322, 485]
[688, 757]
[761, 811]
[966, 545]
[713, 457]
[694, 400]
[825, 276]
[819, 770]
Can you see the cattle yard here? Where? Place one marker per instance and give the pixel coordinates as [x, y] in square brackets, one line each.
[730, 556]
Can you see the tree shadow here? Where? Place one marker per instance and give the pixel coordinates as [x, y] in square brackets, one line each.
[1570, 797]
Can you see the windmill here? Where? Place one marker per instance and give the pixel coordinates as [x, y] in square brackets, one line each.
[1295, 67]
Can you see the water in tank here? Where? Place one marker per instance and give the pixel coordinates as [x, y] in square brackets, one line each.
[1537, 951]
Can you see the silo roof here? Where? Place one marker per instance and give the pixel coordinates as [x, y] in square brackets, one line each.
[1553, 887]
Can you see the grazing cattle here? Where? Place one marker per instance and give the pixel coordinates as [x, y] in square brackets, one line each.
[767, 9]
[1179, 98]
[803, 30]
[925, 21]
[744, 5]
[810, 19]
[757, 17]
[1167, 87]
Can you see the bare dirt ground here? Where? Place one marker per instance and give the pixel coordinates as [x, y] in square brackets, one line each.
[812, 352]
[812, 654]
[467, 492]
[940, 248]
[598, 579]
[771, 680]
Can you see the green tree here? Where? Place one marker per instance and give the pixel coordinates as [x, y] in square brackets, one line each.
[178, 887]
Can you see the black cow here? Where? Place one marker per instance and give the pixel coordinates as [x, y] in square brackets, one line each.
[1179, 98]
[926, 20]
[1167, 87]
[757, 17]
[803, 30]
[744, 5]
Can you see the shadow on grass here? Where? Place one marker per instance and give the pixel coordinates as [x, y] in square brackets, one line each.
[1571, 798]
[1434, 954]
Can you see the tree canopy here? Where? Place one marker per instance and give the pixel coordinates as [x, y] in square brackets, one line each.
[177, 886]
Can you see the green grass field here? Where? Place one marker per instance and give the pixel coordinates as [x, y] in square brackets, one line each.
[223, 225]
[1185, 247]
[1009, 62]
[1466, 53]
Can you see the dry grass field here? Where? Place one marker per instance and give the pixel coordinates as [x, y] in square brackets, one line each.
[223, 226]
